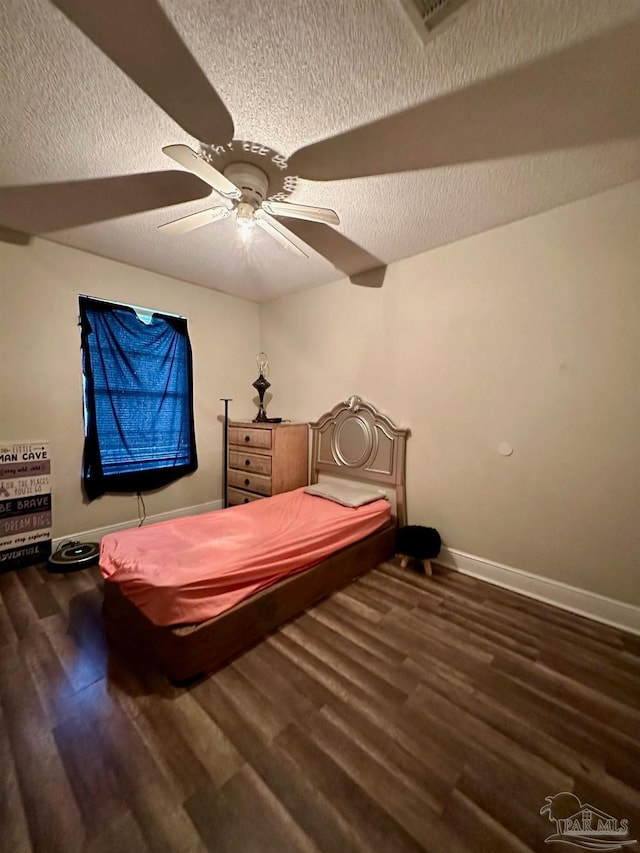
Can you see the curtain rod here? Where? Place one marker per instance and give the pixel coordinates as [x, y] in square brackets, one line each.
[136, 308]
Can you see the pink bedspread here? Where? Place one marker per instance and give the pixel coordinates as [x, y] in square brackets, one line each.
[190, 569]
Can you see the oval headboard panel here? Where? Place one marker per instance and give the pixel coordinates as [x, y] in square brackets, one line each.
[355, 441]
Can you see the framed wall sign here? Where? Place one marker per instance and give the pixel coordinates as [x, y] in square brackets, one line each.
[25, 504]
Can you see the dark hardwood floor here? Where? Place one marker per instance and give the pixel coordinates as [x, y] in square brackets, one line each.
[404, 713]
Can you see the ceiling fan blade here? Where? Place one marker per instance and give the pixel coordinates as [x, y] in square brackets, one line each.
[18, 238]
[584, 94]
[141, 40]
[370, 278]
[188, 158]
[41, 208]
[301, 211]
[361, 266]
[278, 232]
[195, 220]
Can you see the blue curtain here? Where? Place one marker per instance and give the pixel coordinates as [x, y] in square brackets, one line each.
[139, 431]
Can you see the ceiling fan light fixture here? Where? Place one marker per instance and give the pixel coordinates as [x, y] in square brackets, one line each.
[248, 197]
[245, 220]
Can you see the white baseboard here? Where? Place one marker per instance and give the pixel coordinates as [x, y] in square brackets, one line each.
[580, 601]
[97, 534]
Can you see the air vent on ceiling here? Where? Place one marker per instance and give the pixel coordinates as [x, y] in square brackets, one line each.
[430, 16]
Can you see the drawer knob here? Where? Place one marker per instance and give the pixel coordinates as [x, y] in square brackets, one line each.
[245, 501]
[247, 481]
[247, 462]
[247, 438]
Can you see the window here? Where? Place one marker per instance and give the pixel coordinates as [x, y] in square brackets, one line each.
[138, 398]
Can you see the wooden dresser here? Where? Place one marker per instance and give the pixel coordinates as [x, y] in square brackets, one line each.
[265, 459]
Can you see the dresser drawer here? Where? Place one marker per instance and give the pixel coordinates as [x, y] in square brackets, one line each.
[250, 462]
[236, 497]
[251, 482]
[250, 437]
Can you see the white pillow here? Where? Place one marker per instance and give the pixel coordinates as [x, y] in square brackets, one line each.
[352, 496]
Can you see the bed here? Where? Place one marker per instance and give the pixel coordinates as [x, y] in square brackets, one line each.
[190, 594]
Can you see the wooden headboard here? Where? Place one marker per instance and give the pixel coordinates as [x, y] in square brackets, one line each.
[356, 442]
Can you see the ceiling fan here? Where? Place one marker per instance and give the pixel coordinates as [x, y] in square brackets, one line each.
[542, 105]
[243, 189]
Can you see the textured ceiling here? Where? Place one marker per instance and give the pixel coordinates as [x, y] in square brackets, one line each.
[530, 105]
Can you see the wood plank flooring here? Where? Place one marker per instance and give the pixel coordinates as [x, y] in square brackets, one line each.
[404, 713]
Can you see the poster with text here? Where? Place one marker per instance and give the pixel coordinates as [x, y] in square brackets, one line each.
[25, 504]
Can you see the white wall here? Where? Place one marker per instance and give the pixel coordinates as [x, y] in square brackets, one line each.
[528, 334]
[41, 378]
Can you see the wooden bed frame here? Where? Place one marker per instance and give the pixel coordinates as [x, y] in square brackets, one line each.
[353, 441]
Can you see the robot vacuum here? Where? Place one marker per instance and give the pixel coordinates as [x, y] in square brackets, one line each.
[73, 556]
